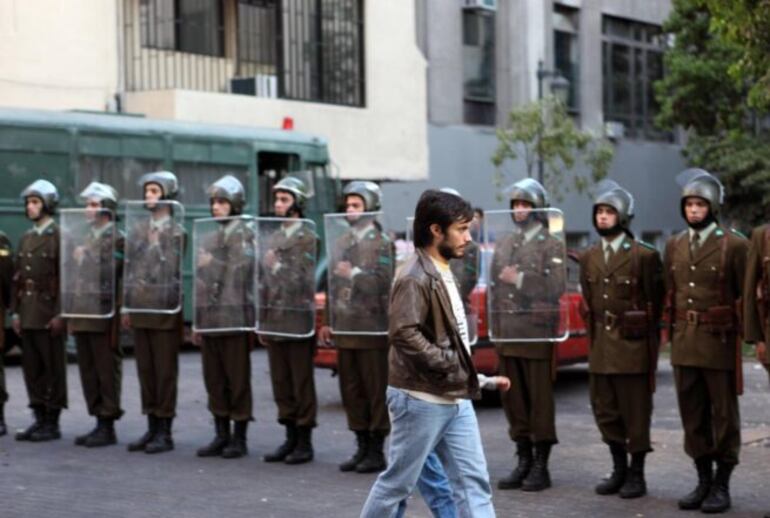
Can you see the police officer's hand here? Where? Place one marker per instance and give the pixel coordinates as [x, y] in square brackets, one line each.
[270, 259]
[125, 321]
[262, 340]
[197, 339]
[55, 326]
[761, 351]
[78, 253]
[204, 259]
[344, 269]
[503, 383]
[509, 275]
[16, 325]
[325, 335]
[154, 237]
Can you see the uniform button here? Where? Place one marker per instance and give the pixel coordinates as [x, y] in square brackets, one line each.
[692, 285]
[692, 268]
[607, 328]
[605, 296]
[606, 281]
[27, 268]
[689, 301]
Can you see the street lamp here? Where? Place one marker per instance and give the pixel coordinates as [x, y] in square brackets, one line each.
[560, 89]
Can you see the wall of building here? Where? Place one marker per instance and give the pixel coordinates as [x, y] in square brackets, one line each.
[58, 54]
[460, 158]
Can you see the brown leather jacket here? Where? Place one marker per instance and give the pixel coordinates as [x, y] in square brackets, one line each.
[426, 350]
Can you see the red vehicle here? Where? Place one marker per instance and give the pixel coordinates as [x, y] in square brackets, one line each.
[573, 350]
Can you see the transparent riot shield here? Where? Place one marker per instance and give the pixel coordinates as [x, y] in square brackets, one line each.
[526, 276]
[88, 263]
[224, 279]
[288, 250]
[360, 273]
[152, 268]
[466, 270]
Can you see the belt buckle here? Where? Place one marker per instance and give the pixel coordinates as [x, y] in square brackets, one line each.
[692, 317]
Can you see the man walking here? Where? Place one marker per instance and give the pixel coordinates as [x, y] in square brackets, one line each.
[431, 374]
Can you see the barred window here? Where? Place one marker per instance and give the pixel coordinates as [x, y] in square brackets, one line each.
[632, 55]
[194, 26]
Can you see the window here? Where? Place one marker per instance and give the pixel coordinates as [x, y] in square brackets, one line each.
[323, 51]
[194, 26]
[565, 46]
[309, 50]
[479, 66]
[121, 173]
[632, 56]
[257, 21]
[271, 167]
[196, 177]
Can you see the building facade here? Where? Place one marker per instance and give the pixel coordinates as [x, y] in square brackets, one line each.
[317, 66]
[483, 58]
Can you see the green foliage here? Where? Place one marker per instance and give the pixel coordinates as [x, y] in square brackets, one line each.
[714, 88]
[545, 129]
[746, 24]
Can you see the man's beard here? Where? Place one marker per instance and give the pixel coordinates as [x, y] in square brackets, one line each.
[614, 230]
[447, 252]
[700, 225]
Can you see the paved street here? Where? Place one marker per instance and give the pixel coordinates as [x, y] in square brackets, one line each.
[59, 479]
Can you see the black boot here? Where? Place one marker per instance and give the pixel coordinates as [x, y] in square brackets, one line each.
[3, 429]
[612, 484]
[304, 450]
[152, 429]
[635, 485]
[80, 440]
[539, 478]
[362, 445]
[237, 446]
[221, 439]
[374, 460]
[718, 500]
[163, 440]
[524, 453]
[38, 414]
[104, 434]
[695, 498]
[280, 454]
[49, 431]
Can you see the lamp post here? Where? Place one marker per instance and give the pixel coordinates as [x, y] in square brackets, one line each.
[560, 89]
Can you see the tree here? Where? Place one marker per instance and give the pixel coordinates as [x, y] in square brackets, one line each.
[544, 130]
[746, 24]
[703, 93]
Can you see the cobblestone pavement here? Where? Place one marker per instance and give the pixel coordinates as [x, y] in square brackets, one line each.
[61, 480]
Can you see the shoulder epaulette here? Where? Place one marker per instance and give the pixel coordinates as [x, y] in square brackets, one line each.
[738, 233]
[647, 245]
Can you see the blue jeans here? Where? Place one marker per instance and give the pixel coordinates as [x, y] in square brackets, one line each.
[418, 428]
[435, 490]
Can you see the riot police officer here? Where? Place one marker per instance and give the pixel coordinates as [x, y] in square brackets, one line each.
[361, 268]
[527, 271]
[622, 281]
[96, 260]
[224, 284]
[287, 316]
[153, 251]
[6, 278]
[704, 269]
[36, 319]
